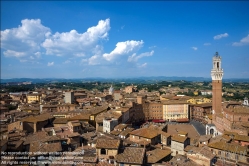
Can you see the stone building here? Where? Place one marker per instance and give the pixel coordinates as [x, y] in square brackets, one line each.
[145, 136]
[200, 112]
[229, 151]
[109, 124]
[107, 148]
[69, 97]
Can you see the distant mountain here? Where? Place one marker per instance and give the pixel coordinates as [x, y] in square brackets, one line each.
[126, 80]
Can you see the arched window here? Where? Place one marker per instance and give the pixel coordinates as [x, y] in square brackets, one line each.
[211, 131]
[219, 152]
[103, 151]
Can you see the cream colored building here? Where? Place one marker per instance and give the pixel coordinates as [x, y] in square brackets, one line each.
[175, 110]
[199, 100]
[34, 97]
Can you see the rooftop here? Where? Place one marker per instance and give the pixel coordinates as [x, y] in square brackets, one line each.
[156, 155]
[107, 143]
[180, 139]
[131, 155]
[228, 147]
[145, 132]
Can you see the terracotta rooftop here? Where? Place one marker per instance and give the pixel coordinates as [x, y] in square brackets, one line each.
[204, 105]
[45, 148]
[89, 155]
[60, 121]
[172, 102]
[241, 138]
[97, 110]
[155, 126]
[107, 143]
[204, 138]
[228, 147]
[226, 137]
[144, 132]
[180, 160]
[115, 132]
[206, 152]
[190, 148]
[218, 138]
[80, 117]
[126, 131]
[131, 155]
[156, 155]
[109, 114]
[104, 163]
[182, 132]
[120, 127]
[180, 139]
[123, 109]
[34, 137]
[174, 128]
[38, 118]
[42, 137]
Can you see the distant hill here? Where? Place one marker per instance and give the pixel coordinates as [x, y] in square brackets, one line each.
[126, 80]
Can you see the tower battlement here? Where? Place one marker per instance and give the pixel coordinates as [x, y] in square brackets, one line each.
[217, 71]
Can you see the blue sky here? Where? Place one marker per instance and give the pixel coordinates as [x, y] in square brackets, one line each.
[123, 39]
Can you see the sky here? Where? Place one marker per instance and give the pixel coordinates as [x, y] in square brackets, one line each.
[110, 39]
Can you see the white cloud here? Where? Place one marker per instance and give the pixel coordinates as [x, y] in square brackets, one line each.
[94, 60]
[50, 63]
[143, 65]
[24, 40]
[194, 48]
[207, 44]
[243, 41]
[135, 58]
[152, 47]
[11, 53]
[74, 43]
[83, 61]
[38, 54]
[67, 61]
[123, 48]
[217, 37]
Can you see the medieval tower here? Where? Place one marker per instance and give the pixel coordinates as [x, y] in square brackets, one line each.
[216, 74]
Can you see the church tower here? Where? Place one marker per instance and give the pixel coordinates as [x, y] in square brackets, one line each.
[216, 74]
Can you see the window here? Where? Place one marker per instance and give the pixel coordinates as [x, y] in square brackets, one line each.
[102, 151]
[236, 157]
[227, 154]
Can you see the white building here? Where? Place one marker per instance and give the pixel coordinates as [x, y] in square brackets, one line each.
[109, 124]
[69, 97]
